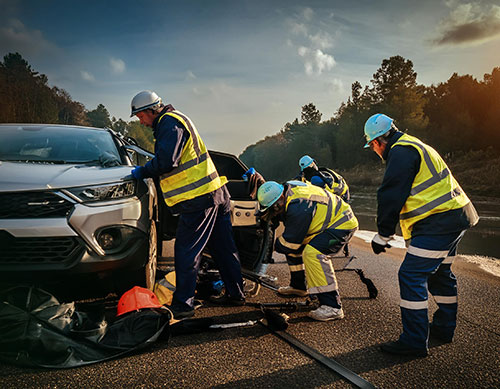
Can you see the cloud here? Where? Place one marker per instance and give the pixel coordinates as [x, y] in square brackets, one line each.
[298, 28]
[16, 37]
[311, 42]
[315, 61]
[469, 24]
[307, 14]
[87, 76]
[335, 86]
[117, 65]
[190, 76]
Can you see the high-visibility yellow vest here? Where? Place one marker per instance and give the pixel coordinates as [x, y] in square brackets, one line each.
[339, 188]
[196, 174]
[434, 189]
[331, 211]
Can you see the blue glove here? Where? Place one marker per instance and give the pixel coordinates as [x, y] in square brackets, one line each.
[248, 173]
[138, 172]
[318, 181]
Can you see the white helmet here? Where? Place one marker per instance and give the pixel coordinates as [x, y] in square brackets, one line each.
[145, 100]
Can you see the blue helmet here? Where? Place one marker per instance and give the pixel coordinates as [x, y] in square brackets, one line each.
[377, 125]
[269, 192]
[305, 161]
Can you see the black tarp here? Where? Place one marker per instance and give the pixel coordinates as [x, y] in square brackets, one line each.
[38, 331]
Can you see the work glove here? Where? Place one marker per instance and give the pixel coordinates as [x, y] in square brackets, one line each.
[380, 243]
[248, 173]
[138, 172]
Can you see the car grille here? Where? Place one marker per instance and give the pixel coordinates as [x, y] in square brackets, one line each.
[33, 205]
[37, 250]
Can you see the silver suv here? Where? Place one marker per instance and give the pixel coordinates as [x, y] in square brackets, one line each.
[72, 217]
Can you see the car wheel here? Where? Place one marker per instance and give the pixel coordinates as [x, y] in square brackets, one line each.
[154, 248]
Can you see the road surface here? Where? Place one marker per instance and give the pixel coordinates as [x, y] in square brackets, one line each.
[254, 358]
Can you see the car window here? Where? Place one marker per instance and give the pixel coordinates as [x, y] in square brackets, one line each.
[58, 145]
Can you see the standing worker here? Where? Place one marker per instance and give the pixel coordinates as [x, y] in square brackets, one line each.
[323, 177]
[317, 223]
[193, 189]
[419, 190]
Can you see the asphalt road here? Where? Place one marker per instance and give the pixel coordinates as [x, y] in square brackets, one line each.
[254, 358]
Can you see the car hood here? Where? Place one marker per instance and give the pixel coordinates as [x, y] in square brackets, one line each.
[18, 176]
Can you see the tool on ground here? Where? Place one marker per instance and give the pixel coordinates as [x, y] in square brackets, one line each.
[277, 323]
[248, 323]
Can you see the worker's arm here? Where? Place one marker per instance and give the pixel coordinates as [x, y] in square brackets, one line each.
[170, 140]
[297, 221]
[402, 166]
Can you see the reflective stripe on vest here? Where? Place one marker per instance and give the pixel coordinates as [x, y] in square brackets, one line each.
[434, 189]
[339, 188]
[330, 210]
[196, 174]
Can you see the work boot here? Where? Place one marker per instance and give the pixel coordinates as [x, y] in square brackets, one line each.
[291, 291]
[439, 334]
[227, 301]
[402, 349]
[326, 313]
[180, 314]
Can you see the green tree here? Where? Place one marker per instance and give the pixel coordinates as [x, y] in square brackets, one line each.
[99, 117]
[142, 134]
[310, 114]
[24, 93]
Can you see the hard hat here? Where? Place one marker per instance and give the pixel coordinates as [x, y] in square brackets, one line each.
[269, 192]
[305, 161]
[144, 100]
[375, 126]
[135, 299]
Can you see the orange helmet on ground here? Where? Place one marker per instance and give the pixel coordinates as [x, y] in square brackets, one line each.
[135, 299]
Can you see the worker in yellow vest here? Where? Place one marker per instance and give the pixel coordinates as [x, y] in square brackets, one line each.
[419, 192]
[317, 223]
[193, 189]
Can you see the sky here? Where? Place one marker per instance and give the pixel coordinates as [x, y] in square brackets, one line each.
[242, 69]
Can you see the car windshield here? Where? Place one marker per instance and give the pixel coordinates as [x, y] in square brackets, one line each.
[52, 144]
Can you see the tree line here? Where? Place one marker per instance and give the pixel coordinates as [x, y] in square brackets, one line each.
[456, 117]
[27, 98]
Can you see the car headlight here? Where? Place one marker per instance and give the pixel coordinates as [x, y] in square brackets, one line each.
[105, 192]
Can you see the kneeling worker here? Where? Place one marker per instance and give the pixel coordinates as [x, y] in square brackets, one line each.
[317, 223]
[323, 177]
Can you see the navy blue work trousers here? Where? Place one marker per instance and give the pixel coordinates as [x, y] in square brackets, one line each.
[211, 228]
[427, 268]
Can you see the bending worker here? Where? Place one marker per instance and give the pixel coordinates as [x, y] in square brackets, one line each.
[317, 223]
[419, 191]
[193, 189]
[323, 177]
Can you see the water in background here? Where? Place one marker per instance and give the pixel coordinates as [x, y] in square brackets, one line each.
[483, 239]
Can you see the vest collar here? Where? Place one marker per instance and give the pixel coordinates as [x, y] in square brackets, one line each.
[167, 108]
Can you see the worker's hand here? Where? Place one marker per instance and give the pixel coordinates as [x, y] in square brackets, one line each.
[138, 172]
[249, 173]
[380, 243]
